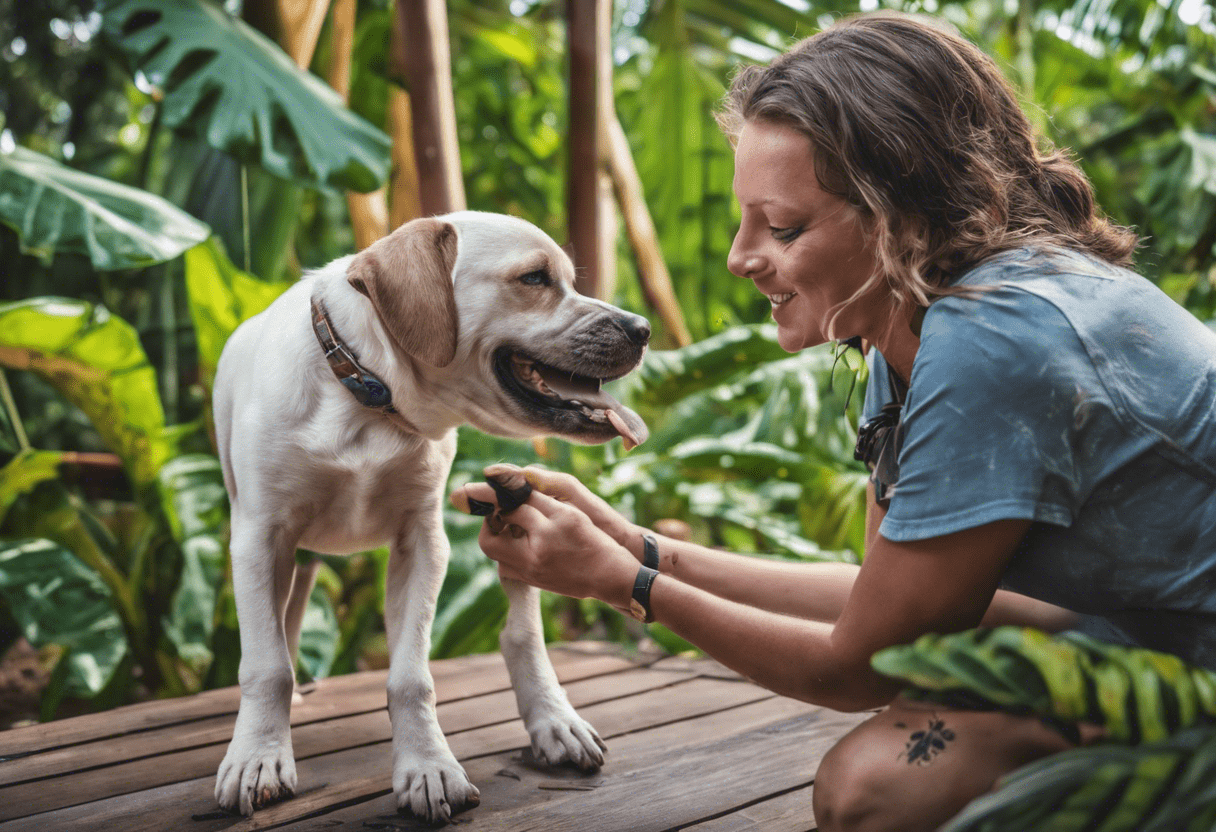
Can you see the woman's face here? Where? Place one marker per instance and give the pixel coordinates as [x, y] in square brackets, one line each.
[803, 247]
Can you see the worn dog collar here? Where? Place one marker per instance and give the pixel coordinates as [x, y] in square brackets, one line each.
[367, 389]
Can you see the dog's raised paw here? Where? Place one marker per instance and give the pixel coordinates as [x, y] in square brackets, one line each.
[250, 778]
[570, 739]
[432, 791]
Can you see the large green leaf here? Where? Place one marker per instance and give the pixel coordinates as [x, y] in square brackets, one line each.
[96, 361]
[56, 599]
[54, 208]
[195, 504]
[1167, 786]
[221, 298]
[1138, 695]
[318, 635]
[23, 472]
[227, 83]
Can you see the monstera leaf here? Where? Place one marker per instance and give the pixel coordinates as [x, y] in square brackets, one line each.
[1138, 695]
[1168, 786]
[225, 82]
[23, 472]
[54, 208]
[95, 360]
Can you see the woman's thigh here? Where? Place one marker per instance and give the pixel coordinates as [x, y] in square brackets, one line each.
[915, 765]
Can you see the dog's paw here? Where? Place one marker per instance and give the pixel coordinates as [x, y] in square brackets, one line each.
[255, 774]
[567, 738]
[432, 789]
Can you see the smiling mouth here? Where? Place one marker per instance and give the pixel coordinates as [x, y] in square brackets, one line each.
[778, 300]
[555, 394]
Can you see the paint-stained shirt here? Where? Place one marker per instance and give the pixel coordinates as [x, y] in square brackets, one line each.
[1078, 395]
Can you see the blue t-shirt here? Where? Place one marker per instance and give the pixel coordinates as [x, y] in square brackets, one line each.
[1078, 395]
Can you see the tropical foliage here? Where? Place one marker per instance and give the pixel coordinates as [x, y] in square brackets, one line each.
[165, 171]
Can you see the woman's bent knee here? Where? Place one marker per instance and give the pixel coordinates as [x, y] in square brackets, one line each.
[915, 766]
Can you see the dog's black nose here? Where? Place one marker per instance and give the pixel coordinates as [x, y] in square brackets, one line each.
[636, 327]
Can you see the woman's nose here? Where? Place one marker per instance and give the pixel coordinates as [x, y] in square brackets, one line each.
[742, 261]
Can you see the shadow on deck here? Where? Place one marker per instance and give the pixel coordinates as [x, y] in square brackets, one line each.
[690, 746]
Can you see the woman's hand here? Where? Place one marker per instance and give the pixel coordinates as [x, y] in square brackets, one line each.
[556, 546]
[570, 490]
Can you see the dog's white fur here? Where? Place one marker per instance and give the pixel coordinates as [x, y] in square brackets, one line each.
[307, 466]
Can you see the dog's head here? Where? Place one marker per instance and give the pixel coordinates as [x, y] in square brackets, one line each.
[486, 303]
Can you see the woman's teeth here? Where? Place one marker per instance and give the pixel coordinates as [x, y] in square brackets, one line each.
[777, 300]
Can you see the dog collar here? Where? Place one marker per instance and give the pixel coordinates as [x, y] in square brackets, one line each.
[367, 389]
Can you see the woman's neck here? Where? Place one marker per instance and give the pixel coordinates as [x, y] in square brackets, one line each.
[898, 344]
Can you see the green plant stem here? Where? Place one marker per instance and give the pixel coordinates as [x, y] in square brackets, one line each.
[23, 441]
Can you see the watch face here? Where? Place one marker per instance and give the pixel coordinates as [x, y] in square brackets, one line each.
[637, 610]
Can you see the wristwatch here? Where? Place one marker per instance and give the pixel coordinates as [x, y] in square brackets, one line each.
[639, 604]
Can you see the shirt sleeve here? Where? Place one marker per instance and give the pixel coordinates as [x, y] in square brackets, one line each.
[991, 417]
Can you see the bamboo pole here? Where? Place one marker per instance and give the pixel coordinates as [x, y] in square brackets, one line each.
[368, 212]
[583, 143]
[300, 24]
[421, 55]
[652, 270]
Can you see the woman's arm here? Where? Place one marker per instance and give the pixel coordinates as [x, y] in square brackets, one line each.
[901, 592]
[815, 591]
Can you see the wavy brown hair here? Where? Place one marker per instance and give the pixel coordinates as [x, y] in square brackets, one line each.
[920, 132]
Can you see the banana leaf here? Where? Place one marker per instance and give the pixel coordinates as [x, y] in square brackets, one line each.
[1138, 695]
[225, 82]
[195, 504]
[94, 360]
[56, 599]
[221, 297]
[1166, 785]
[54, 208]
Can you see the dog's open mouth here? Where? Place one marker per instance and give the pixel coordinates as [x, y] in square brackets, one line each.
[542, 386]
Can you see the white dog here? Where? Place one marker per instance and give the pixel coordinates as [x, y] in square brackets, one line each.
[335, 414]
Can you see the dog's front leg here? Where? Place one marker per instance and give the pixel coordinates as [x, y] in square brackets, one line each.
[558, 733]
[259, 766]
[427, 779]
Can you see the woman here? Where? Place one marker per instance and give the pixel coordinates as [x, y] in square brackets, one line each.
[1041, 417]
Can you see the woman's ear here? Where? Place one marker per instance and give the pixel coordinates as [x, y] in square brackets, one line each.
[408, 278]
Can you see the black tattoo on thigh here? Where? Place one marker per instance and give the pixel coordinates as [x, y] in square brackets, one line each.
[923, 746]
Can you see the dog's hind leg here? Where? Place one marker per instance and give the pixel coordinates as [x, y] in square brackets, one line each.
[427, 779]
[259, 765]
[297, 603]
[558, 733]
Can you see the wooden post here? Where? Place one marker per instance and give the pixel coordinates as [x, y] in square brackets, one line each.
[300, 24]
[368, 212]
[421, 55]
[587, 23]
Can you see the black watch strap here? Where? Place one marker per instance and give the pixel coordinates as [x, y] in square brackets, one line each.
[639, 604]
[650, 551]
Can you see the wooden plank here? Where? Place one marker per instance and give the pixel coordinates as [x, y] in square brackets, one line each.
[204, 744]
[149, 808]
[787, 812]
[454, 690]
[150, 715]
[698, 762]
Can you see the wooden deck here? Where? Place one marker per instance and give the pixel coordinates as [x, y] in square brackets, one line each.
[691, 746]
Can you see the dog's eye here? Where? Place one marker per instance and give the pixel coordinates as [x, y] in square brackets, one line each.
[536, 278]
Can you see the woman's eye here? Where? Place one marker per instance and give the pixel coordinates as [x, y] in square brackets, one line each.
[784, 235]
[536, 278]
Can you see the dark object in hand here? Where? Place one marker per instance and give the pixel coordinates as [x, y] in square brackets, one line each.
[510, 487]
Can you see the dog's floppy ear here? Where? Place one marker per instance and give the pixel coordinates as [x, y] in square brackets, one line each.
[408, 278]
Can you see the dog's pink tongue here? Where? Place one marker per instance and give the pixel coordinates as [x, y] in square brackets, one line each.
[628, 424]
